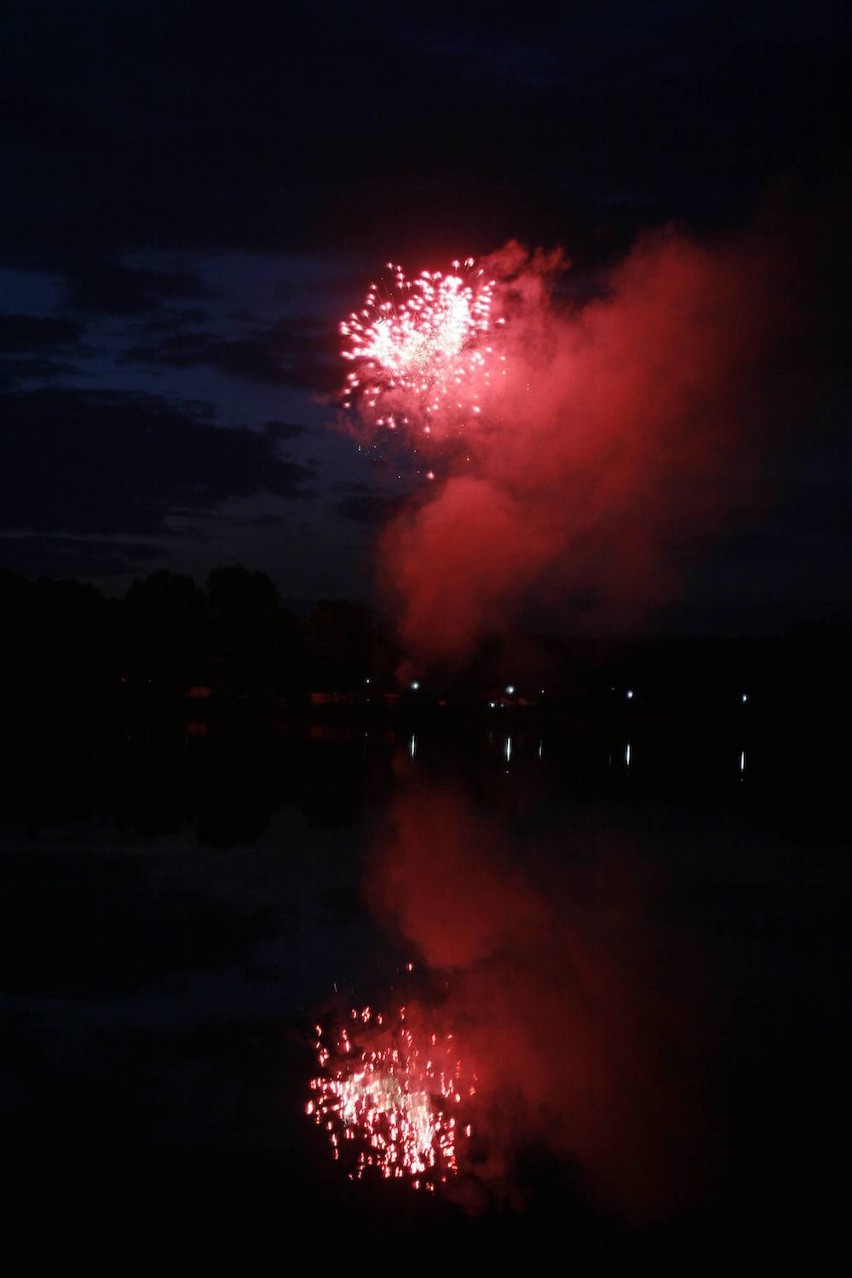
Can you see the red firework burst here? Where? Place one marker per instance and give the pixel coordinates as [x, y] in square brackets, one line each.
[422, 350]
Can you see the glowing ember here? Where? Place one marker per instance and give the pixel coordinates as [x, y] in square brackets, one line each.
[423, 353]
[390, 1099]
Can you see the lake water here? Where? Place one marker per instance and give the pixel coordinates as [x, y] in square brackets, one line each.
[636, 938]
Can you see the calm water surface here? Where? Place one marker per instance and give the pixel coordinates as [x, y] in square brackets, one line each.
[640, 938]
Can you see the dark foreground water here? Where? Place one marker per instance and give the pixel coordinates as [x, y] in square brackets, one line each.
[640, 936]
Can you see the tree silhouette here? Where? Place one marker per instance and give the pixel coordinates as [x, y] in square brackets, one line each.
[339, 636]
[166, 633]
[257, 641]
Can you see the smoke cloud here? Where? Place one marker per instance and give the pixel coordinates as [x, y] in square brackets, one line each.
[620, 432]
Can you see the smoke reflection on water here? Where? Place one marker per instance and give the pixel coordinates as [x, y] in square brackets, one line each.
[648, 988]
[627, 984]
[585, 1010]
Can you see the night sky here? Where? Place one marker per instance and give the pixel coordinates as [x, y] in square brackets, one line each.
[195, 195]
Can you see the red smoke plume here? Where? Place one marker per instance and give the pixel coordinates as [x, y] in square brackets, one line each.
[617, 433]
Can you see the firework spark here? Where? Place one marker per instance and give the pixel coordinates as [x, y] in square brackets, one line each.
[390, 1099]
[423, 351]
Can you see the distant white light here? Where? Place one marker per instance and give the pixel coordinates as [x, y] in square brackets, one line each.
[491, 704]
[744, 698]
[415, 684]
[510, 689]
[629, 694]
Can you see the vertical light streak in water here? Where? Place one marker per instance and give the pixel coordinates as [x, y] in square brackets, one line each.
[412, 746]
[508, 749]
[627, 754]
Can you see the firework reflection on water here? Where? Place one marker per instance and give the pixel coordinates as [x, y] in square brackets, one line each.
[392, 1097]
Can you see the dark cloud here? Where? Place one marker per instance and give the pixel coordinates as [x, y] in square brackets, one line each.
[102, 463]
[35, 332]
[114, 289]
[76, 557]
[37, 348]
[30, 368]
[368, 506]
[298, 354]
[284, 430]
[802, 529]
[168, 125]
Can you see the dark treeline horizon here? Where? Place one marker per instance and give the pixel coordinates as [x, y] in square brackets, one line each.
[103, 695]
[231, 634]
[64, 641]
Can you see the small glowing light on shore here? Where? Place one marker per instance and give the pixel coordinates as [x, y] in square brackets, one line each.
[629, 694]
[744, 698]
[415, 684]
[510, 689]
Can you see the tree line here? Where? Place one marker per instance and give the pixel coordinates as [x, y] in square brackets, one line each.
[64, 643]
[63, 640]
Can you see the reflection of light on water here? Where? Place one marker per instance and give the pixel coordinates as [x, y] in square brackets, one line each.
[412, 746]
[742, 761]
[624, 754]
[540, 744]
[508, 749]
[196, 728]
[388, 1098]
